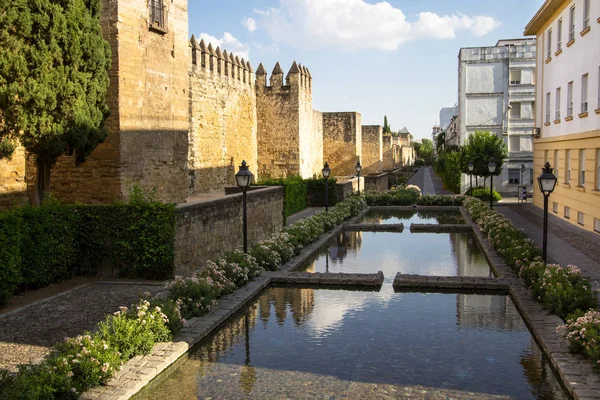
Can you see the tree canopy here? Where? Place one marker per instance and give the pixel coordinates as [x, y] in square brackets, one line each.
[424, 150]
[480, 148]
[387, 128]
[53, 78]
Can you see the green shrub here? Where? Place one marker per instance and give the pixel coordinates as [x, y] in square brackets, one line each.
[439, 200]
[10, 254]
[397, 197]
[316, 192]
[483, 193]
[49, 246]
[419, 162]
[582, 330]
[294, 193]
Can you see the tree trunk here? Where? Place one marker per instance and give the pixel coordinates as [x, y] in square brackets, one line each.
[43, 169]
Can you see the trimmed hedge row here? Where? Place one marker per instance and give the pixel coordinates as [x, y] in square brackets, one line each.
[482, 193]
[47, 244]
[294, 193]
[407, 196]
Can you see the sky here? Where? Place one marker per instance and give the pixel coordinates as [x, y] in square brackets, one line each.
[397, 58]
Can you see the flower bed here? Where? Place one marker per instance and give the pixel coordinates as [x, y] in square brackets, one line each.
[409, 195]
[86, 361]
[583, 333]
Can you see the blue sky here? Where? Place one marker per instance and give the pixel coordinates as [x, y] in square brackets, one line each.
[397, 58]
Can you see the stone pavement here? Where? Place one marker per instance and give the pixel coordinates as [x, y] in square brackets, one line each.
[428, 181]
[307, 212]
[567, 243]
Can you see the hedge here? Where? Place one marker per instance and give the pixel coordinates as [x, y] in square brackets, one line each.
[482, 193]
[316, 192]
[294, 193]
[47, 244]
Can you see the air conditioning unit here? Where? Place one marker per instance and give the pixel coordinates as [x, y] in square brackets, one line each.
[535, 132]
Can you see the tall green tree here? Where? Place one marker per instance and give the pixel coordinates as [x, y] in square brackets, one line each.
[481, 148]
[425, 149]
[53, 80]
[387, 128]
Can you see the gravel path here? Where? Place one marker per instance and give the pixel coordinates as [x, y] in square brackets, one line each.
[27, 333]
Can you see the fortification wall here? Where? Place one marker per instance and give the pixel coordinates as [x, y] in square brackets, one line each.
[342, 141]
[372, 148]
[311, 128]
[13, 189]
[222, 118]
[207, 230]
[389, 161]
[317, 145]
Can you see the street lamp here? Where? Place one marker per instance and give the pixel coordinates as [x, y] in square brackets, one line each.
[492, 169]
[326, 171]
[358, 169]
[547, 182]
[243, 179]
[471, 166]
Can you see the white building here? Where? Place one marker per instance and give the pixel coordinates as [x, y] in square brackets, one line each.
[496, 93]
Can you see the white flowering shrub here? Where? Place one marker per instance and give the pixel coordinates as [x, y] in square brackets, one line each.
[582, 330]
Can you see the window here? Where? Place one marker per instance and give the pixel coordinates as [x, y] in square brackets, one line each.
[559, 35]
[586, 14]
[572, 24]
[570, 99]
[597, 224]
[157, 15]
[584, 89]
[556, 163]
[580, 217]
[567, 212]
[582, 167]
[557, 113]
[549, 51]
[515, 111]
[568, 166]
[548, 107]
[515, 77]
[514, 176]
[555, 207]
[514, 143]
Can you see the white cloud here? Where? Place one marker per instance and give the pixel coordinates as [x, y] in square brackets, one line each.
[250, 24]
[227, 42]
[348, 25]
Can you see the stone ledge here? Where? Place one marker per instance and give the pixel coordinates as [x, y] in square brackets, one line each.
[445, 283]
[375, 227]
[441, 228]
[329, 279]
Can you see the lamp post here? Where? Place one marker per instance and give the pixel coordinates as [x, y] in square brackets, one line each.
[471, 166]
[358, 169]
[326, 171]
[243, 179]
[492, 169]
[547, 182]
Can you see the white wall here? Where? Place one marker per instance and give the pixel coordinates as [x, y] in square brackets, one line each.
[485, 78]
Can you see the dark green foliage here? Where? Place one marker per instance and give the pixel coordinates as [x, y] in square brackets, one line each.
[449, 166]
[387, 128]
[397, 197]
[438, 200]
[10, 254]
[294, 193]
[480, 148]
[424, 150]
[53, 76]
[419, 162]
[483, 193]
[316, 192]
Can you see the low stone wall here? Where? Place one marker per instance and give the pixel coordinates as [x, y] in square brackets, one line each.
[209, 229]
[343, 190]
[378, 182]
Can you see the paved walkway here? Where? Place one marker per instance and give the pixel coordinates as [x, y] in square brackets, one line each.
[307, 212]
[567, 244]
[428, 181]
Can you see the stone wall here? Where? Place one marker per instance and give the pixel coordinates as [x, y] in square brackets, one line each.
[372, 148]
[13, 189]
[207, 230]
[388, 157]
[380, 182]
[222, 118]
[318, 161]
[342, 141]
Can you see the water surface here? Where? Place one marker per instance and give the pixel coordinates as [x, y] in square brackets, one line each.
[327, 344]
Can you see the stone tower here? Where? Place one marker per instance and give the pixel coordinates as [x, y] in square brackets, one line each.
[290, 134]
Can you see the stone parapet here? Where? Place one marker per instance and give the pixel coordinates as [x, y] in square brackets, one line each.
[342, 141]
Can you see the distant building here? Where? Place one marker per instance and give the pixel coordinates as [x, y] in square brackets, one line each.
[568, 116]
[496, 93]
[448, 127]
[407, 152]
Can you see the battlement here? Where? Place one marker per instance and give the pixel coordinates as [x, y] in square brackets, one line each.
[220, 62]
[298, 76]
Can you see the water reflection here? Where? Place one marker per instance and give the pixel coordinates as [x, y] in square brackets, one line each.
[408, 217]
[443, 254]
[444, 345]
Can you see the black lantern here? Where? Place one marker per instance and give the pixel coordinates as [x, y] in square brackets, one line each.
[358, 169]
[326, 171]
[471, 167]
[244, 179]
[492, 169]
[547, 182]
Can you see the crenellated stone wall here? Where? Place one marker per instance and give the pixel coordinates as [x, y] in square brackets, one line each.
[223, 126]
[208, 229]
[372, 148]
[342, 141]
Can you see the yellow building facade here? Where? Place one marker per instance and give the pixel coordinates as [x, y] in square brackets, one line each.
[568, 107]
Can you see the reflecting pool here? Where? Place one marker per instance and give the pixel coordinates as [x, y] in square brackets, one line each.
[408, 217]
[330, 344]
[441, 254]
